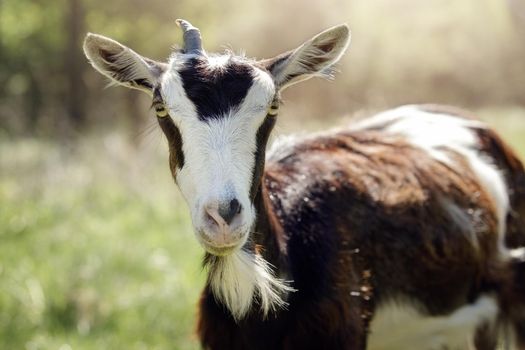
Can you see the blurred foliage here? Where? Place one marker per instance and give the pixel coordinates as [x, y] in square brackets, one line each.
[94, 254]
[462, 52]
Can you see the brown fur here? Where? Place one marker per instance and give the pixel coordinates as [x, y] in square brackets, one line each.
[359, 218]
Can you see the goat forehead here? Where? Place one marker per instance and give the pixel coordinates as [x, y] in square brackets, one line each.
[215, 86]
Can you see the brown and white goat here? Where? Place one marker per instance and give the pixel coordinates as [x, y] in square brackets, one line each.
[401, 231]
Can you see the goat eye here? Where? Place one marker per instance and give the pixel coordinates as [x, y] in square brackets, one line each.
[272, 109]
[158, 104]
[160, 110]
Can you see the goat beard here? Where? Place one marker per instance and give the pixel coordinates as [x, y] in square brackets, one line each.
[244, 279]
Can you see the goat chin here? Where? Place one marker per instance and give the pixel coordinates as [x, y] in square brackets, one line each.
[242, 279]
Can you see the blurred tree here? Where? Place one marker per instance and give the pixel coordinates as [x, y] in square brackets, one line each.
[455, 57]
[76, 91]
[30, 47]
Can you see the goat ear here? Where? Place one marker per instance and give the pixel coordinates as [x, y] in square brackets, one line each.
[121, 64]
[315, 57]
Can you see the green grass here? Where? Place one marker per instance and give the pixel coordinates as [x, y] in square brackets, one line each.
[96, 246]
[96, 249]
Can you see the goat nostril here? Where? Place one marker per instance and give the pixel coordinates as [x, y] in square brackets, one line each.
[235, 206]
[230, 210]
[214, 215]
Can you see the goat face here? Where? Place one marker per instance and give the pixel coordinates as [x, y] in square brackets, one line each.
[219, 105]
[217, 112]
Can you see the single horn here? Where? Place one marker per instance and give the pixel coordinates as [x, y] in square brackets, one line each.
[192, 37]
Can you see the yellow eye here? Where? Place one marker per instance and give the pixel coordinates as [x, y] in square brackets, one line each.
[158, 104]
[160, 110]
[273, 109]
[162, 113]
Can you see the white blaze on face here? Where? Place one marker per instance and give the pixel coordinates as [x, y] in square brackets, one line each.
[219, 161]
[219, 151]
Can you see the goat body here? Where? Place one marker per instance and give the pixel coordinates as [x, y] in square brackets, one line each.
[397, 233]
[402, 231]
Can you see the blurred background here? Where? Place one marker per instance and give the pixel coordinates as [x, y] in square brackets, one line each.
[96, 247]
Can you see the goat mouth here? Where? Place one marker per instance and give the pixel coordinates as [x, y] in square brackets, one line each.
[221, 250]
[223, 247]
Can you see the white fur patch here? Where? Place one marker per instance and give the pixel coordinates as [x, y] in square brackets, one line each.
[518, 254]
[401, 327]
[435, 133]
[282, 146]
[239, 279]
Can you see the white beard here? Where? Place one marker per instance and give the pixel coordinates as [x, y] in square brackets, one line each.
[237, 279]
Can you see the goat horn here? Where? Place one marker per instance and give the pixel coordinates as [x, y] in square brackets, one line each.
[191, 36]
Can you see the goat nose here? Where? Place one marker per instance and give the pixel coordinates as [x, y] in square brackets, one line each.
[228, 211]
[224, 213]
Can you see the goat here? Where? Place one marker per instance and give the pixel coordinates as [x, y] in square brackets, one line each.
[401, 231]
